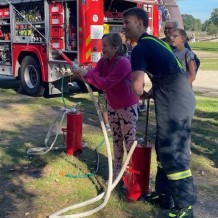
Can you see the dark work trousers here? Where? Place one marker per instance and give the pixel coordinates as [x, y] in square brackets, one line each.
[174, 107]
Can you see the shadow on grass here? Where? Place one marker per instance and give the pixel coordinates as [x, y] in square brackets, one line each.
[204, 135]
[16, 171]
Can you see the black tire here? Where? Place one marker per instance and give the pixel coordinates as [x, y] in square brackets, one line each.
[82, 86]
[31, 79]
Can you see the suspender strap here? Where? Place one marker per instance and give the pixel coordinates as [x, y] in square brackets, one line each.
[165, 45]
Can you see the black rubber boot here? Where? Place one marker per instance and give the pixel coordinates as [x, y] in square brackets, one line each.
[161, 200]
[186, 212]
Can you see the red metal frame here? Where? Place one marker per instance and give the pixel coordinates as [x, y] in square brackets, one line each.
[94, 17]
[37, 50]
[90, 14]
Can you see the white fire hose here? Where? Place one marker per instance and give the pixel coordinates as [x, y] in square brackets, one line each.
[46, 149]
[111, 185]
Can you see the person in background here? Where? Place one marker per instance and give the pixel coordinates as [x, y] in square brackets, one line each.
[126, 44]
[129, 44]
[169, 26]
[142, 105]
[174, 102]
[102, 103]
[113, 75]
[186, 57]
[192, 38]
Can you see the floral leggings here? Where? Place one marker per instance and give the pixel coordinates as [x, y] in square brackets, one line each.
[123, 127]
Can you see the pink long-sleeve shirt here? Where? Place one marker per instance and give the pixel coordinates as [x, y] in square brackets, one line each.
[114, 77]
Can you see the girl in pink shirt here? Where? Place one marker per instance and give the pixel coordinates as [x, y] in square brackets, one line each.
[113, 74]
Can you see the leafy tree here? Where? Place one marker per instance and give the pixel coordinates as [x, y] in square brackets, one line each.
[214, 17]
[206, 24]
[197, 25]
[212, 29]
[211, 25]
[190, 23]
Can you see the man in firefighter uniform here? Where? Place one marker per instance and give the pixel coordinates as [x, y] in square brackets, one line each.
[174, 107]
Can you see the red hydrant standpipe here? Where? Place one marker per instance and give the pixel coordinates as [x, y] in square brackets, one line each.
[73, 137]
[73, 132]
[136, 178]
[137, 175]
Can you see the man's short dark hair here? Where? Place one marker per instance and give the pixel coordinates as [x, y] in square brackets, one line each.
[140, 13]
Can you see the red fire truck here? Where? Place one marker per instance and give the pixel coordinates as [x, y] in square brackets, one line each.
[32, 34]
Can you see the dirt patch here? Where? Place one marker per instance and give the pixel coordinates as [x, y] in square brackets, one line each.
[205, 54]
[206, 83]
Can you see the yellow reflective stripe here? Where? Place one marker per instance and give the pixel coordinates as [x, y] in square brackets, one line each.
[88, 40]
[172, 215]
[167, 46]
[159, 164]
[88, 53]
[180, 215]
[190, 207]
[180, 175]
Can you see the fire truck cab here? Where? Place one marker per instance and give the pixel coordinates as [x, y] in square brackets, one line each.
[32, 34]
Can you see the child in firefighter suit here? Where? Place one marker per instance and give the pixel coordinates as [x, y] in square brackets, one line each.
[174, 108]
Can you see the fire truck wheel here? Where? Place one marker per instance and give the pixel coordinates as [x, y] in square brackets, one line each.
[82, 86]
[31, 81]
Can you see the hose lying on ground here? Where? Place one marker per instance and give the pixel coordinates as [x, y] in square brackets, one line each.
[111, 185]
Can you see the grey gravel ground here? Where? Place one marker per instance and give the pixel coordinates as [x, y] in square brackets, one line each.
[207, 83]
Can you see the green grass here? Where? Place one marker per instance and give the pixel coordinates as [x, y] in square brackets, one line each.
[37, 184]
[208, 62]
[205, 46]
[41, 180]
[211, 64]
[205, 128]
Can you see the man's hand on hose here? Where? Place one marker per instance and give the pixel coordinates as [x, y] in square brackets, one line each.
[80, 72]
[146, 95]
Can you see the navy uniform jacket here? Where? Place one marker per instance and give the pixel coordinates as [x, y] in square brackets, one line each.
[150, 56]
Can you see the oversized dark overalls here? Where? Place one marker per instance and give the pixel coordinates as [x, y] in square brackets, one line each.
[174, 106]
